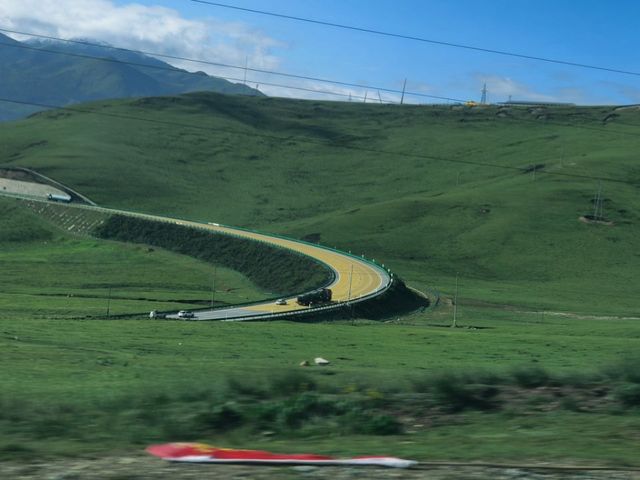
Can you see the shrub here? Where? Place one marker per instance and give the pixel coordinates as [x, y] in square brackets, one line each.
[382, 425]
[12, 451]
[430, 383]
[361, 422]
[571, 404]
[290, 383]
[222, 418]
[249, 388]
[455, 394]
[530, 377]
[296, 411]
[628, 394]
[626, 370]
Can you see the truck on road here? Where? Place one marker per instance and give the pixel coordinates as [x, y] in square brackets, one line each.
[322, 295]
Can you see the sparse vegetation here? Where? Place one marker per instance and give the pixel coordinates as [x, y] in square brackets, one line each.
[312, 408]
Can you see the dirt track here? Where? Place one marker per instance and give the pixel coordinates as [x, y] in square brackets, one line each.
[143, 467]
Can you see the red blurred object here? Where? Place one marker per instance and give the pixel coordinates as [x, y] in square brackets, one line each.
[203, 453]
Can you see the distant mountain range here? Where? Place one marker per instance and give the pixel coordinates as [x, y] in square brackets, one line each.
[29, 75]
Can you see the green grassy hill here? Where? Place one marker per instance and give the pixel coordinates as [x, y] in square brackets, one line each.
[428, 190]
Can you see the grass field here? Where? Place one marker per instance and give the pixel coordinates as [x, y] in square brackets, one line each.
[538, 290]
[147, 381]
[161, 354]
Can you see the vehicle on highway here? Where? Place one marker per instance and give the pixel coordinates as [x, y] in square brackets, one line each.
[281, 301]
[56, 197]
[317, 297]
[185, 314]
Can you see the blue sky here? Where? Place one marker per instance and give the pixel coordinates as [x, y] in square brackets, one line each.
[584, 31]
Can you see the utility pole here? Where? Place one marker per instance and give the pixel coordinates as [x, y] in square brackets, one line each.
[213, 286]
[109, 303]
[404, 87]
[365, 96]
[246, 64]
[379, 97]
[455, 305]
[597, 207]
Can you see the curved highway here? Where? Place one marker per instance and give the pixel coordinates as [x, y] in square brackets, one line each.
[355, 279]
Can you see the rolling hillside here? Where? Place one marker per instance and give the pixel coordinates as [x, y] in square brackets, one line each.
[30, 75]
[494, 194]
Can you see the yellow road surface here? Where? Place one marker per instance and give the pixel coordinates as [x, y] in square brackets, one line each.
[354, 278]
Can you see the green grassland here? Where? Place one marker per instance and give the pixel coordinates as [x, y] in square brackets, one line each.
[162, 354]
[408, 185]
[540, 292]
[91, 387]
[48, 273]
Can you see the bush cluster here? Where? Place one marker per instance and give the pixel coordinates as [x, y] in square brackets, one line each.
[295, 403]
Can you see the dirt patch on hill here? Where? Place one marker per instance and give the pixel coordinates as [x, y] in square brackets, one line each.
[590, 219]
[20, 187]
[21, 175]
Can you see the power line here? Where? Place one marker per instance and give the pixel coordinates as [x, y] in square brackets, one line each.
[280, 139]
[205, 62]
[419, 39]
[173, 69]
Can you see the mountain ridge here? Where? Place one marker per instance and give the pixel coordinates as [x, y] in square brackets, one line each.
[71, 76]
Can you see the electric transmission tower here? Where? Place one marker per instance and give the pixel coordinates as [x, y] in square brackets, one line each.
[483, 99]
[598, 201]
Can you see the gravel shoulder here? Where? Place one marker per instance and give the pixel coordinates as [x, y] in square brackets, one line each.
[143, 467]
[19, 187]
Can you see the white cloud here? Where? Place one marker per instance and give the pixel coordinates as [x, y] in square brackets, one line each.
[149, 28]
[500, 89]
